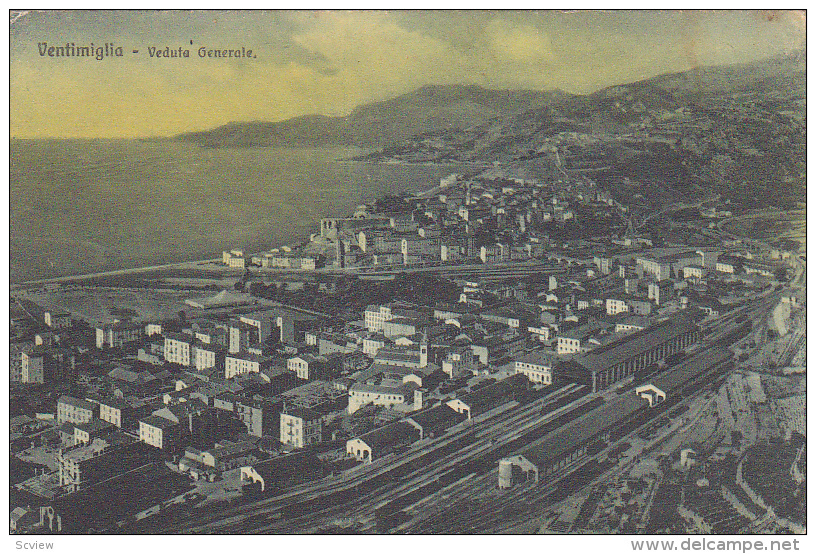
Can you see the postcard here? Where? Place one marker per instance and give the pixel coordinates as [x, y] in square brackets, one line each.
[409, 272]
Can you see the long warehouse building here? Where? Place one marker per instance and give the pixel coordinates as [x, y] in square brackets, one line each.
[618, 360]
[566, 447]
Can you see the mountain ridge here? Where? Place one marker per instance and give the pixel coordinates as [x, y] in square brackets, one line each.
[428, 109]
[435, 113]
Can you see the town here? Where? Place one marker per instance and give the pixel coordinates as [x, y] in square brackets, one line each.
[495, 354]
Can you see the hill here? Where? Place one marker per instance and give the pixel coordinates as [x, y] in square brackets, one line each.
[738, 131]
[428, 110]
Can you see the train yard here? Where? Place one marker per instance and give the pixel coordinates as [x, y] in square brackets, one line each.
[449, 484]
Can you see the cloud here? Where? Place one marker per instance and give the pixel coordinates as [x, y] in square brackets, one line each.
[329, 62]
[521, 43]
[377, 58]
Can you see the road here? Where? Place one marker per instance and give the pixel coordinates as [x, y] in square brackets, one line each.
[131, 271]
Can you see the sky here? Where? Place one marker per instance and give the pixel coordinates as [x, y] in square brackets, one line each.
[329, 62]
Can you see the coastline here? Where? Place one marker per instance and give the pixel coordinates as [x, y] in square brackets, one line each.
[271, 211]
[115, 272]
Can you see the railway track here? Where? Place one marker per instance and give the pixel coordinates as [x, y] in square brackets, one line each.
[510, 510]
[482, 434]
[455, 467]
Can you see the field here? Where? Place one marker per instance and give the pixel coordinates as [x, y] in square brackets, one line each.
[769, 225]
[103, 305]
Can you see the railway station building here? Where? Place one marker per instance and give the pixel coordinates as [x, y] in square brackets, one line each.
[379, 442]
[490, 397]
[569, 446]
[618, 360]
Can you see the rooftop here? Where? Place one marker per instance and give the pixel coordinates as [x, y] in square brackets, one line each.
[87, 451]
[384, 389]
[94, 426]
[76, 402]
[395, 433]
[492, 396]
[615, 352]
[579, 430]
[305, 414]
[538, 357]
[158, 421]
[438, 417]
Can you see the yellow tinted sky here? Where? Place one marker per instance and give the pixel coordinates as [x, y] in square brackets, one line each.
[328, 62]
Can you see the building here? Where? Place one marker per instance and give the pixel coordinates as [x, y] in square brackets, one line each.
[261, 415]
[89, 463]
[727, 264]
[99, 507]
[494, 253]
[373, 342]
[309, 367]
[661, 291]
[116, 335]
[21, 518]
[117, 412]
[84, 433]
[536, 366]
[380, 442]
[236, 261]
[238, 364]
[282, 472]
[177, 348]
[657, 267]
[57, 319]
[575, 340]
[75, 410]
[159, 432]
[516, 469]
[242, 336]
[16, 361]
[697, 272]
[616, 306]
[204, 356]
[617, 360]
[631, 324]
[301, 427]
[458, 359]
[225, 455]
[408, 357]
[666, 267]
[433, 422]
[490, 397]
[33, 366]
[377, 316]
[766, 269]
[388, 394]
[567, 447]
[264, 322]
[603, 264]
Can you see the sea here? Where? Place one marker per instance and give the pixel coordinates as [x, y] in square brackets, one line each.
[84, 206]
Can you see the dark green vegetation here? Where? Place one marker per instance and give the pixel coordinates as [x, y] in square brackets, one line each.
[353, 295]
